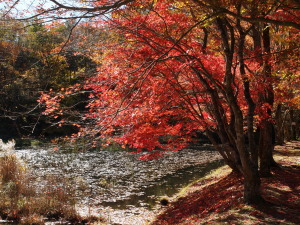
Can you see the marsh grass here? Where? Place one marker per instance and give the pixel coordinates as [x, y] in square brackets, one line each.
[23, 202]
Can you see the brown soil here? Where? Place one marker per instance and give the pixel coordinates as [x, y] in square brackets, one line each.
[218, 200]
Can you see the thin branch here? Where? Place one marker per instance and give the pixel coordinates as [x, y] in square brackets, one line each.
[115, 5]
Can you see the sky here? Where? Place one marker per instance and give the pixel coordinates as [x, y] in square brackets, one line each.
[27, 8]
[23, 8]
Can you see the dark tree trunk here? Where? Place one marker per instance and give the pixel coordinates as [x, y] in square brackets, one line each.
[252, 194]
[267, 133]
[288, 125]
[229, 155]
[251, 105]
[266, 148]
[279, 125]
[237, 140]
[293, 125]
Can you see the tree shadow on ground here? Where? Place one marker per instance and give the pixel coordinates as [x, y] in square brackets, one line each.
[221, 202]
[289, 149]
[282, 193]
[288, 153]
[204, 201]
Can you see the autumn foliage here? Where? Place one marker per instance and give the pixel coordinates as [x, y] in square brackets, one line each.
[173, 68]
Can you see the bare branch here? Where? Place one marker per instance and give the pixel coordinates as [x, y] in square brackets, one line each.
[115, 5]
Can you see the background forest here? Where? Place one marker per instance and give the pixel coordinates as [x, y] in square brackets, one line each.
[34, 59]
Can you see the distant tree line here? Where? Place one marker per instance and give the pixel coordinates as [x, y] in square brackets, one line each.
[37, 58]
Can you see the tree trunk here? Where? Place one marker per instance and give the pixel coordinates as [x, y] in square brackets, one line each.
[293, 125]
[267, 134]
[279, 125]
[287, 126]
[266, 147]
[236, 141]
[229, 155]
[252, 192]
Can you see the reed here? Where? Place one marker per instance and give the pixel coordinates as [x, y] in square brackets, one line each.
[22, 201]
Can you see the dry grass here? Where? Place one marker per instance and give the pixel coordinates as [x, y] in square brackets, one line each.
[24, 203]
[218, 198]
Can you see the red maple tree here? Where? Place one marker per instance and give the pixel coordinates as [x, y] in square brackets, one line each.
[176, 67]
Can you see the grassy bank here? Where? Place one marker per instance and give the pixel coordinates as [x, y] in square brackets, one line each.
[217, 198]
[24, 202]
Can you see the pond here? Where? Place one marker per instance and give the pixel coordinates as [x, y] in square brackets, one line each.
[122, 188]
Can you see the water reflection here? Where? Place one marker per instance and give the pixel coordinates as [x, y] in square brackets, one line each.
[165, 186]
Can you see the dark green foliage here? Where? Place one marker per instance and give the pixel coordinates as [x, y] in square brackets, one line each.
[26, 60]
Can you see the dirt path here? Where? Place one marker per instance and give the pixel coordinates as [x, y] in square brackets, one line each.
[218, 199]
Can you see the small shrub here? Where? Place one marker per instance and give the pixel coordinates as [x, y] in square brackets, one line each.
[10, 169]
[25, 203]
[32, 219]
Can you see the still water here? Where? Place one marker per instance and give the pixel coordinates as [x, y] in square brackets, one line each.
[125, 189]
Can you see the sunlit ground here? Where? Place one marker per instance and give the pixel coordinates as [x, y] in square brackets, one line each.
[220, 202]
